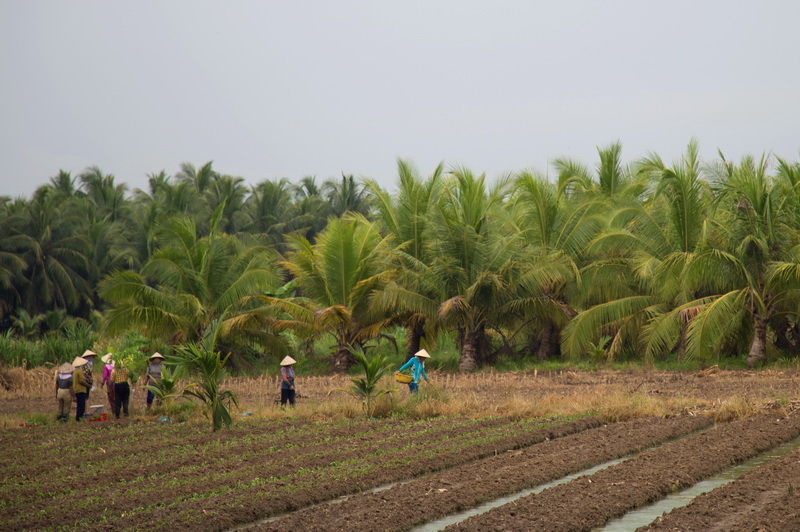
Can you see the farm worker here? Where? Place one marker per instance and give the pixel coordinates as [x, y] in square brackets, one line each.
[417, 365]
[153, 376]
[80, 387]
[88, 369]
[106, 382]
[287, 380]
[122, 389]
[64, 390]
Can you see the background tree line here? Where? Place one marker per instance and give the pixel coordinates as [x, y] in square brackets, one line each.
[648, 260]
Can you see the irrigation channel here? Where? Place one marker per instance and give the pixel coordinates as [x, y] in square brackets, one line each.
[646, 515]
[441, 524]
[636, 518]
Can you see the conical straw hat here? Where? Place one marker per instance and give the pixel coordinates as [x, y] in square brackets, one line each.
[66, 367]
[422, 353]
[89, 353]
[106, 358]
[78, 362]
[157, 355]
[288, 361]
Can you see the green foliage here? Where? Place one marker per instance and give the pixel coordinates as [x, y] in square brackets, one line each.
[26, 325]
[48, 349]
[133, 349]
[365, 389]
[206, 370]
[597, 351]
[168, 391]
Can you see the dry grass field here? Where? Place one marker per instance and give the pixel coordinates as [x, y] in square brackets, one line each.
[608, 394]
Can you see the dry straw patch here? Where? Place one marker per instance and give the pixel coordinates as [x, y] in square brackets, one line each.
[611, 395]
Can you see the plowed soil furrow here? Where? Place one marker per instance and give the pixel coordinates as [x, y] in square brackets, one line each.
[446, 492]
[139, 483]
[589, 502]
[766, 498]
[221, 508]
[169, 461]
[124, 442]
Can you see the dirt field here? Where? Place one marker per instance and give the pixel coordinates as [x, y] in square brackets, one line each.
[470, 440]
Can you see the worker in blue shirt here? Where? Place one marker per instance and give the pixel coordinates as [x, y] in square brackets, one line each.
[417, 365]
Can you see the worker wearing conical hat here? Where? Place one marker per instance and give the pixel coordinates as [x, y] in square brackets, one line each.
[108, 367]
[287, 381]
[153, 376]
[88, 369]
[80, 387]
[417, 366]
[64, 390]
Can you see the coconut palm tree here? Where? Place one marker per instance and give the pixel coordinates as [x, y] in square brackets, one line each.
[336, 276]
[639, 286]
[611, 179]
[752, 272]
[405, 218]
[557, 232]
[346, 196]
[56, 247]
[228, 191]
[477, 260]
[190, 282]
[106, 197]
[312, 208]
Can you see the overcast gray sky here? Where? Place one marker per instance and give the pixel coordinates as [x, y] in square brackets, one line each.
[288, 89]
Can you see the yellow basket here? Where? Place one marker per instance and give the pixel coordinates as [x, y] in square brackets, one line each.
[405, 379]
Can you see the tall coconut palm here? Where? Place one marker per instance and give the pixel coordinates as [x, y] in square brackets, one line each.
[311, 208]
[642, 288]
[345, 196]
[752, 272]
[56, 254]
[477, 259]
[200, 179]
[557, 232]
[106, 197]
[336, 276]
[612, 178]
[228, 191]
[405, 218]
[190, 282]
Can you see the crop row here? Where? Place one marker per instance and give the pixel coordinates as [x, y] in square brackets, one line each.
[235, 504]
[119, 443]
[636, 482]
[187, 460]
[271, 473]
[449, 491]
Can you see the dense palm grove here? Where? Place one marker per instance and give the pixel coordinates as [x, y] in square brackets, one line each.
[647, 259]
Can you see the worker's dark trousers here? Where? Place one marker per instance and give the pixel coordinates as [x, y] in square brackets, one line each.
[287, 395]
[80, 399]
[122, 394]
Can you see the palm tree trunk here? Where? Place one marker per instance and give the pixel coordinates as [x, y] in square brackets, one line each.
[474, 349]
[758, 349]
[469, 353]
[415, 332]
[550, 348]
[342, 360]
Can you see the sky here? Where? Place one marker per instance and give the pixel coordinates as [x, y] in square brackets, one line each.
[269, 89]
